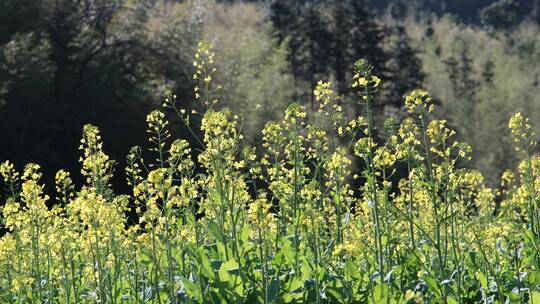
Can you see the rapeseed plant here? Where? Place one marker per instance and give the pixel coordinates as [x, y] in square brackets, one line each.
[319, 215]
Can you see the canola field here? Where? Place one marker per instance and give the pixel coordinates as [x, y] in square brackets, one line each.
[331, 212]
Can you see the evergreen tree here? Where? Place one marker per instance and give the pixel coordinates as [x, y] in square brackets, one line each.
[464, 85]
[503, 14]
[307, 33]
[403, 67]
[355, 34]
[313, 50]
[327, 37]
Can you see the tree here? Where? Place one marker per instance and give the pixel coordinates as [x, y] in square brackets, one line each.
[404, 68]
[302, 25]
[65, 63]
[464, 85]
[355, 34]
[326, 38]
[503, 14]
[251, 66]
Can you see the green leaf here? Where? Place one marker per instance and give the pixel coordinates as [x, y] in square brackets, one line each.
[384, 240]
[337, 198]
[296, 286]
[206, 267]
[532, 239]
[535, 298]
[273, 290]
[380, 294]
[306, 270]
[226, 268]
[124, 285]
[351, 270]
[287, 250]
[451, 300]
[190, 219]
[215, 230]
[537, 278]
[432, 283]
[214, 196]
[322, 273]
[144, 259]
[278, 259]
[192, 289]
[221, 251]
[246, 232]
[482, 279]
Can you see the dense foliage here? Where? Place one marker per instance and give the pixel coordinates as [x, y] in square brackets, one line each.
[67, 63]
[480, 78]
[291, 223]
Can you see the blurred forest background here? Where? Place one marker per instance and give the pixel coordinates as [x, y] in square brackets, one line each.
[65, 63]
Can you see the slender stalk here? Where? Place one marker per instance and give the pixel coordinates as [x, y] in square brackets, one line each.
[411, 193]
[372, 180]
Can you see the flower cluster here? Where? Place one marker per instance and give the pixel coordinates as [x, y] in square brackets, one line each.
[418, 102]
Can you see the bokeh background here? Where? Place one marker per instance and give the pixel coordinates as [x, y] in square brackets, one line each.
[65, 63]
